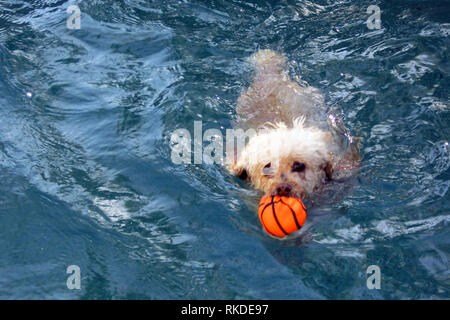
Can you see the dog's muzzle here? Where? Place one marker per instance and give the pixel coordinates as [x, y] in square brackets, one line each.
[284, 190]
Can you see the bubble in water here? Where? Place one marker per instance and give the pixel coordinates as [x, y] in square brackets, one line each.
[29, 94]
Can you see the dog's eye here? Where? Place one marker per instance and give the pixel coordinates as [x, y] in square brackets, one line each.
[267, 165]
[298, 167]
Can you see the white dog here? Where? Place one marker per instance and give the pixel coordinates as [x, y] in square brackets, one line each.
[299, 147]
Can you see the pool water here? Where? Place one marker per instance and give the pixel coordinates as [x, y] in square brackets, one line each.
[87, 177]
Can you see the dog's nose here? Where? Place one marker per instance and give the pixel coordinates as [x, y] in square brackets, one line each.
[284, 189]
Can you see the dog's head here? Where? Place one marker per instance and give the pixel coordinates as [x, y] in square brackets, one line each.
[286, 161]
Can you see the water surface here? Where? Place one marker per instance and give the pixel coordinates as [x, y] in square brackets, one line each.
[85, 161]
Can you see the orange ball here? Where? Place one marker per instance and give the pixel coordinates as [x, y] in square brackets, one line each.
[281, 216]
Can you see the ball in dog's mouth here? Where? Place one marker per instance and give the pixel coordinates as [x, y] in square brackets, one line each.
[280, 215]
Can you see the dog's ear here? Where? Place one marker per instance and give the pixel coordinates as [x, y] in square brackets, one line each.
[328, 168]
[243, 175]
[239, 171]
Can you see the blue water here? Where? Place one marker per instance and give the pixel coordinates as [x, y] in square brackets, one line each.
[85, 161]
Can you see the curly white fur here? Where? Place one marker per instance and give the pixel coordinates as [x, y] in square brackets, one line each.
[291, 148]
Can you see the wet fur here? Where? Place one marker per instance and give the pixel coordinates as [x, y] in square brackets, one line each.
[292, 128]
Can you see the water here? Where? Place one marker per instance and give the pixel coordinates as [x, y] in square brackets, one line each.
[87, 180]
